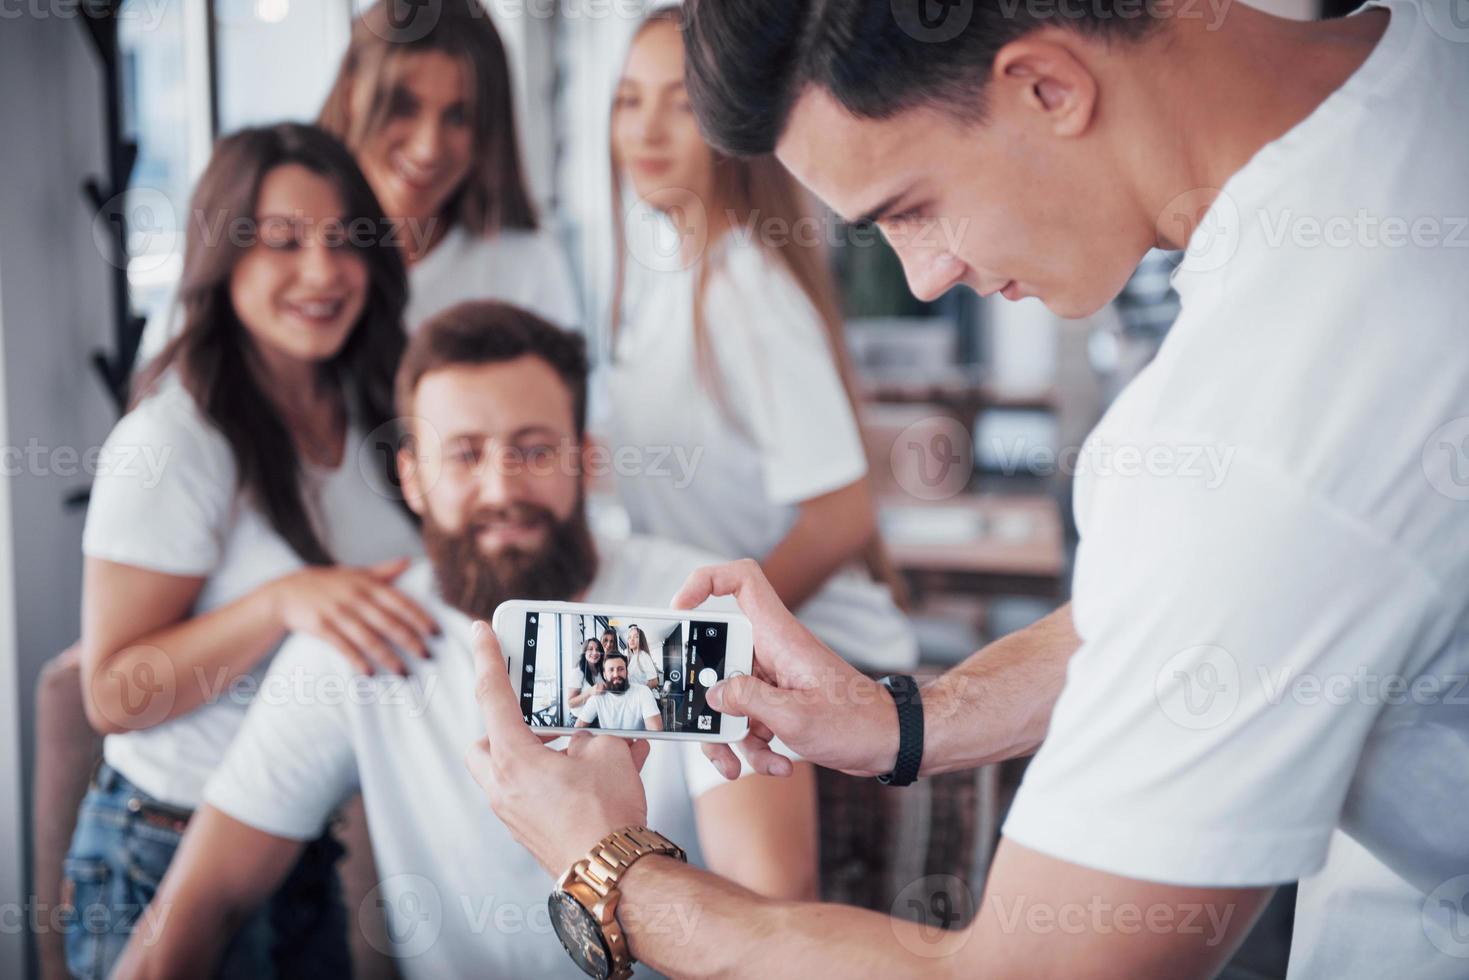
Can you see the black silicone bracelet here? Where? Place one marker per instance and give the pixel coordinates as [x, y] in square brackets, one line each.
[910, 729]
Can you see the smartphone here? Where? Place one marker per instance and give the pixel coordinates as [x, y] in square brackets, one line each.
[623, 670]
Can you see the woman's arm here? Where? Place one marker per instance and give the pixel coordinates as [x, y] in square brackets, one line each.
[582, 696]
[145, 660]
[830, 530]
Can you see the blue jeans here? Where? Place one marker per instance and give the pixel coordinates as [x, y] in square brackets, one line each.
[122, 847]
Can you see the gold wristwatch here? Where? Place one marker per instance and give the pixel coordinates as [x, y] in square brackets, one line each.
[584, 904]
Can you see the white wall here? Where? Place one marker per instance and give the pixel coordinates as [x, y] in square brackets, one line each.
[53, 312]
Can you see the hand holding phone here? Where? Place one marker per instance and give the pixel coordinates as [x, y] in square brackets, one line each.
[800, 692]
[636, 672]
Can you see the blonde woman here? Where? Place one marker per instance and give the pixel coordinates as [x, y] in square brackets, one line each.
[743, 334]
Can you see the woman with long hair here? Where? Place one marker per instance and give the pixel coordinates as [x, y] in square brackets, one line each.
[261, 521]
[588, 680]
[429, 116]
[642, 666]
[734, 311]
[741, 334]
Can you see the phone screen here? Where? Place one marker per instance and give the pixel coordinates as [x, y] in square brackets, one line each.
[617, 673]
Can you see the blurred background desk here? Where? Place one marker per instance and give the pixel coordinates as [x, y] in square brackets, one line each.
[976, 544]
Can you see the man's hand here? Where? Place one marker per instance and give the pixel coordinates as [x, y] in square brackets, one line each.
[557, 804]
[801, 692]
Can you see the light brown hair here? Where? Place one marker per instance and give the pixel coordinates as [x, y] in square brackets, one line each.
[494, 195]
[751, 190]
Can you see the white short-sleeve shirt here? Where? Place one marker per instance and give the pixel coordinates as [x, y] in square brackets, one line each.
[166, 500]
[730, 483]
[526, 268]
[642, 668]
[1271, 581]
[628, 711]
[461, 895]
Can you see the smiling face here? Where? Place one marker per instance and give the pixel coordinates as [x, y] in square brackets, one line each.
[299, 288]
[493, 469]
[1025, 202]
[495, 453]
[655, 139]
[420, 155]
[614, 672]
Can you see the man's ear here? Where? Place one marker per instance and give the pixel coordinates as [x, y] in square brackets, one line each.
[410, 475]
[1045, 76]
[591, 463]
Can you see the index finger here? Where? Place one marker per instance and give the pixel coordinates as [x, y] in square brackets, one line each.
[742, 579]
[504, 723]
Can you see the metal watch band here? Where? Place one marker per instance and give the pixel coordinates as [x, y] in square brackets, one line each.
[615, 853]
[904, 690]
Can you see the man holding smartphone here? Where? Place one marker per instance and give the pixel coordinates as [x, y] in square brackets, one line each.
[1261, 679]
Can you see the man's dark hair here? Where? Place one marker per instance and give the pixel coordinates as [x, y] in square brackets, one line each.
[615, 655]
[488, 332]
[748, 60]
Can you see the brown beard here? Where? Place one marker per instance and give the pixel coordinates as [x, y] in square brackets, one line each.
[475, 583]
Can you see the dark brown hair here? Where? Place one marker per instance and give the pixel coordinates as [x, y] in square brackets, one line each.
[494, 194]
[215, 357]
[749, 60]
[489, 332]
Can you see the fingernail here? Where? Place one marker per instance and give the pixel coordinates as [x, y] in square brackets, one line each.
[715, 695]
[478, 630]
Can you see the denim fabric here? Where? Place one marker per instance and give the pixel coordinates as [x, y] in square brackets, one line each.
[117, 860]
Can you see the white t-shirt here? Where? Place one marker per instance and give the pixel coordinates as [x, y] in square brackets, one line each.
[462, 897]
[166, 500]
[642, 668]
[526, 268]
[628, 711]
[733, 488]
[1271, 581]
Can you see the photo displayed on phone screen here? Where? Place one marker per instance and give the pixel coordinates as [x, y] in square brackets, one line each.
[620, 674]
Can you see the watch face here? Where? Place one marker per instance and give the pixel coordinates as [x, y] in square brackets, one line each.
[580, 934]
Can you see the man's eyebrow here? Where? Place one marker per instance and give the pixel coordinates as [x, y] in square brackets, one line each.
[535, 428]
[880, 212]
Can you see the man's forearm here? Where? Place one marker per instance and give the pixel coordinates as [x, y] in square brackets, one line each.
[997, 704]
[685, 922]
